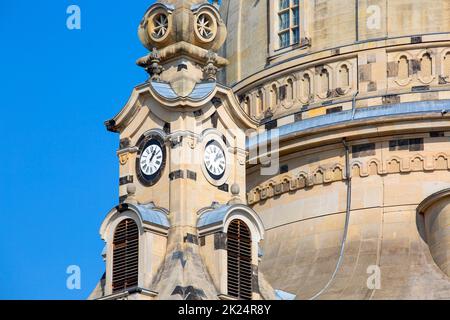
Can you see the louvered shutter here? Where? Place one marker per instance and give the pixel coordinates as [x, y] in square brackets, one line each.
[239, 252]
[125, 255]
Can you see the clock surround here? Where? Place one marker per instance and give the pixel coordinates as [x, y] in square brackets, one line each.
[151, 159]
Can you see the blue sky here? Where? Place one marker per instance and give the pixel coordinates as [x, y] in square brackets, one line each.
[59, 171]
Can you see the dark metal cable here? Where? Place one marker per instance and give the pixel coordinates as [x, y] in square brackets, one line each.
[347, 220]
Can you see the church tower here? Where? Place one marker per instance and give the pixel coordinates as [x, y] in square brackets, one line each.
[182, 228]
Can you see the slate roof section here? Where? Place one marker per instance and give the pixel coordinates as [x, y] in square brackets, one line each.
[201, 90]
[152, 216]
[214, 216]
[164, 90]
[359, 114]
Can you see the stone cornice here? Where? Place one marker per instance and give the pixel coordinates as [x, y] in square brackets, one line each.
[327, 174]
[366, 128]
[184, 48]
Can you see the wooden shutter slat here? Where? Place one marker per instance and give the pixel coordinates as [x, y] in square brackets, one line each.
[239, 251]
[125, 255]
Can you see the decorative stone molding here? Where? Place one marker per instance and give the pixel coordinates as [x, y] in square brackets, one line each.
[324, 175]
[210, 70]
[123, 158]
[125, 153]
[151, 64]
[425, 67]
[417, 67]
[300, 87]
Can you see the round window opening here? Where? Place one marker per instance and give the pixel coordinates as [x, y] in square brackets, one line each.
[206, 26]
[160, 26]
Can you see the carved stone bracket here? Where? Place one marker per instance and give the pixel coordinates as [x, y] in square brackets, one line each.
[210, 70]
[151, 64]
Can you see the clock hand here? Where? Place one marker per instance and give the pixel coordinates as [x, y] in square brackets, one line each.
[153, 154]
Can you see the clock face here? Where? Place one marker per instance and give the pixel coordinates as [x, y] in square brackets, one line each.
[214, 160]
[151, 160]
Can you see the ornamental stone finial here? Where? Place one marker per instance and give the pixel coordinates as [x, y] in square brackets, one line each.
[151, 64]
[235, 190]
[210, 70]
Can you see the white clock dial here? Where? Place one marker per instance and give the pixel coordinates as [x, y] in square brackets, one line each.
[151, 159]
[214, 159]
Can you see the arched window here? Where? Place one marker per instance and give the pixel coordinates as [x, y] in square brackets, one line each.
[239, 252]
[125, 256]
[343, 77]
[426, 66]
[403, 68]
